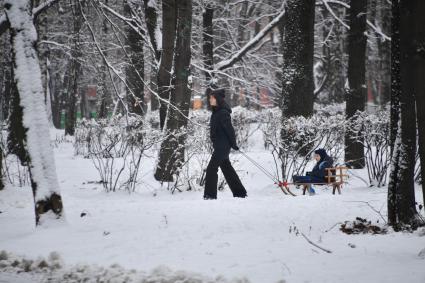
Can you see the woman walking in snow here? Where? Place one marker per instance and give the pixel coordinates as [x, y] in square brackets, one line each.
[223, 139]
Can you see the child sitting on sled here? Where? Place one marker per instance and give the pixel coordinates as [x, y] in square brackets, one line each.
[318, 174]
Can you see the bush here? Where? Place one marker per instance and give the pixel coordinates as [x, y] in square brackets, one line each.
[293, 140]
[372, 130]
[116, 147]
[12, 171]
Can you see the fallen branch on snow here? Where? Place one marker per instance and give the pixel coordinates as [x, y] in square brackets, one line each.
[316, 245]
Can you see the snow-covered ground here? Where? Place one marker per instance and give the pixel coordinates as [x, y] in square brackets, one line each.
[258, 238]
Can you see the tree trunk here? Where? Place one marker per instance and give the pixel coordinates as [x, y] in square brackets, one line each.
[1, 165]
[171, 155]
[407, 104]
[401, 187]
[384, 53]
[243, 22]
[6, 80]
[33, 118]
[419, 71]
[17, 133]
[372, 76]
[103, 92]
[6, 76]
[395, 111]
[74, 72]
[356, 92]
[297, 73]
[41, 23]
[152, 27]
[135, 69]
[297, 48]
[56, 98]
[168, 37]
[333, 56]
[207, 46]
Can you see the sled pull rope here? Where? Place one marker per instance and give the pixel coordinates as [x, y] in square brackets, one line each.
[267, 173]
[283, 186]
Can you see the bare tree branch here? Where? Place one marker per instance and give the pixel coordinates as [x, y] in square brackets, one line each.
[251, 44]
[135, 25]
[319, 89]
[345, 5]
[314, 244]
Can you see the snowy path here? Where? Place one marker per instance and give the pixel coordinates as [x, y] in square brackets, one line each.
[253, 238]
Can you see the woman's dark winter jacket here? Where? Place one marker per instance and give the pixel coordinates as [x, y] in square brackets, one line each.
[222, 132]
[325, 161]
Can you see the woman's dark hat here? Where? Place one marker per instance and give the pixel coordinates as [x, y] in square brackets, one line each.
[219, 93]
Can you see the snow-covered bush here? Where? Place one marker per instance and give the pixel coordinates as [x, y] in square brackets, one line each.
[198, 150]
[116, 147]
[103, 134]
[292, 141]
[372, 130]
[245, 124]
[13, 171]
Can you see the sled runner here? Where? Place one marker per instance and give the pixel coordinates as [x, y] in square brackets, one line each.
[285, 188]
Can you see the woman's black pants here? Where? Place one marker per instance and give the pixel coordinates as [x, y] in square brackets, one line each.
[230, 175]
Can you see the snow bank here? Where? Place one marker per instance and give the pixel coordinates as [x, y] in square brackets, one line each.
[52, 269]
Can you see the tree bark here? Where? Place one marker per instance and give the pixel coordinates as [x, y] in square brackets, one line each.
[1, 167]
[297, 48]
[356, 92]
[164, 75]
[42, 24]
[104, 94]
[152, 27]
[56, 99]
[33, 118]
[172, 155]
[408, 113]
[135, 68]
[208, 43]
[243, 22]
[395, 112]
[419, 59]
[74, 72]
[384, 51]
[403, 159]
[17, 133]
[333, 56]
[6, 77]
